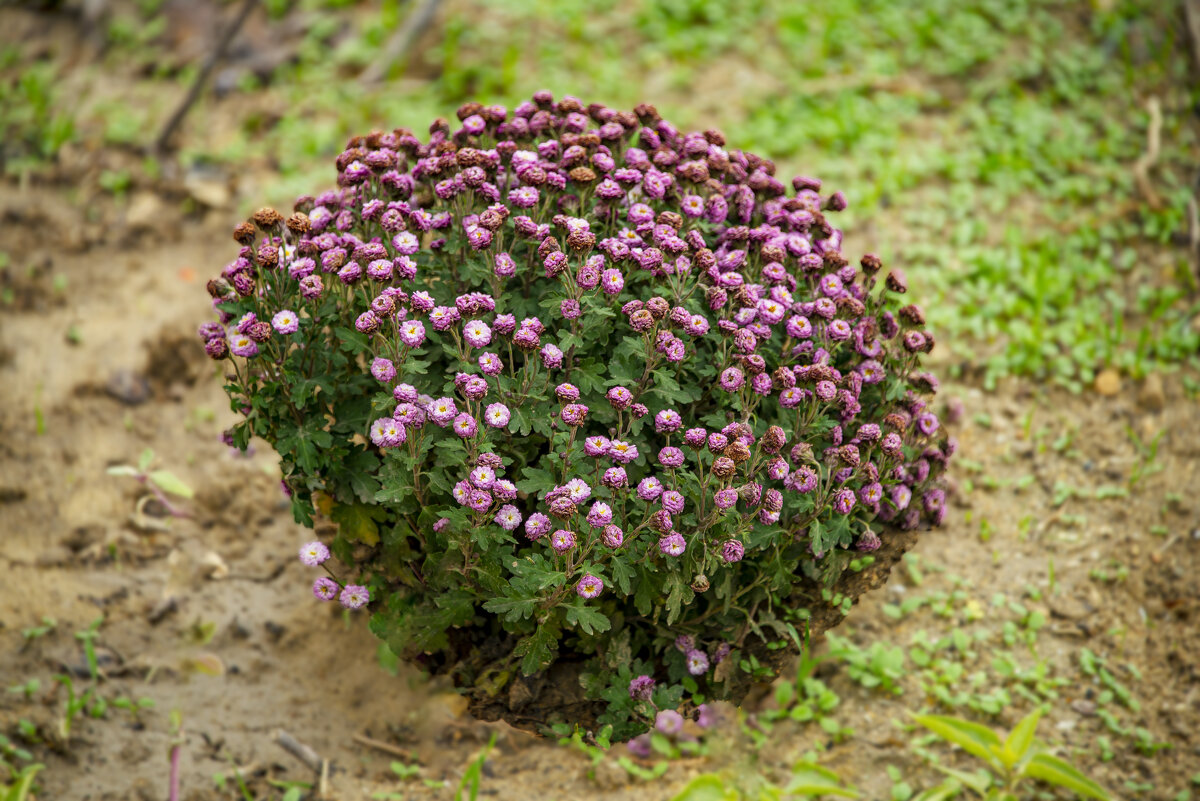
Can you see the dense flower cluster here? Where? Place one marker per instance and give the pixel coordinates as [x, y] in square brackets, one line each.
[568, 377]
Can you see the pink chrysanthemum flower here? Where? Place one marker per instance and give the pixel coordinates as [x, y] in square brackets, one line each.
[589, 587]
[497, 415]
[508, 518]
[286, 322]
[354, 596]
[313, 553]
[325, 589]
[562, 540]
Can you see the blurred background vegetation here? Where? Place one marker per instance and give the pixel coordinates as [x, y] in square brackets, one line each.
[1031, 163]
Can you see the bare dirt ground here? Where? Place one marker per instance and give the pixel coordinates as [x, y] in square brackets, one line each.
[212, 618]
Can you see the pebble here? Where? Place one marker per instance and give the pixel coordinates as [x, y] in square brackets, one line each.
[1108, 382]
[128, 387]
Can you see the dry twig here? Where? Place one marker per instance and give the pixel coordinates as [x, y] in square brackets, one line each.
[227, 37]
[379, 745]
[1141, 167]
[299, 750]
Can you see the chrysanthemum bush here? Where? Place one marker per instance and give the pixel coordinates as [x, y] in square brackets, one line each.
[579, 389]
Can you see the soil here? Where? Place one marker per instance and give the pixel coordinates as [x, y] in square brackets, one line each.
[210, 616]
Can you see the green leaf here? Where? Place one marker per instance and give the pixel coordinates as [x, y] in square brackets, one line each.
[169, 482]
[535, 480]
[588, 618]
[1020, 739]
[707, 787]
[358, 522]
[973, 738]
[123, 470]
[1055, 771]
[538, 648]
[943, 792]
[352, 341]
[622, 572]
[809, 778]
[145, 459]
[513, 609]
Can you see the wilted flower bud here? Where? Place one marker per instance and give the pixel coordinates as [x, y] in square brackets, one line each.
[723, 467]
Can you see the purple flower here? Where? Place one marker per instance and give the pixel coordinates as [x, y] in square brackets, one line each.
[314, 553]
[613, 536]
[623, 452]
[803, 480]
[670, 456]
[611, 281]
[286, 322]
[695, 438]
[383, 370]
[562, 540]
[667, 421]
[649, 488]
[508, 518]
[574, 414]
[589, 587]
[927, 424]
[640, 746]
[596, 446]
[726, 498]
[900, 496]
[497, 415]
[242, 345]
[477, 334]
[442, 411]
[672, 544]
[620, 398]
[354, 596]
[412, 333]
[697, 662]
[325, 589]
[552, 357]
[732, 551]
[479, 500]
[615, 478]
[537, 526]
[490, 364]
[843, 501]
[505, 266]
[732, 379]
[482, 477]
[668, 721]
[387, 432]
[465, 426]
[641, 688]
[600, 515]
[871, 494]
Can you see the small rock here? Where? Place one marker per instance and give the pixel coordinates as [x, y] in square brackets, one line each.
[128, 387]
[212, 566]
[1152, 398]
[145, 210]
[274, 630]
[208, 190]
[161, 609]
[1085, 708]
[1069, 608]
[1108, 382]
